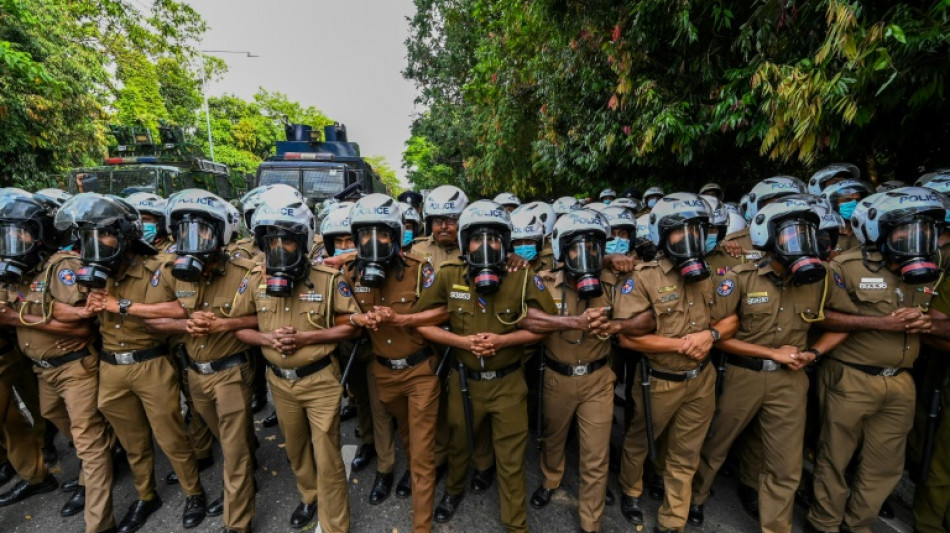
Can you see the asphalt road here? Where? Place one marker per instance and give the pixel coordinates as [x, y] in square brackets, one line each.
[277, 497]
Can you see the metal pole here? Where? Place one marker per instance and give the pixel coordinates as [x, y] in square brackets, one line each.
[204, 96]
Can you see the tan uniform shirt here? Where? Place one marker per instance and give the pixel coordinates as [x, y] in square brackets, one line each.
[216, 294]
[244, 248]
[574, 347]
[148, 280]
[470, 312]
[859, 291]
[430, 250]
[744, 240]
[310, 307]
[846, 242]
[56, 282]
[769, 314]
[394, 342]
[680, 308]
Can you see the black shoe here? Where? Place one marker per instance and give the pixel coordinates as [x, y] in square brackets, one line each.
[404, 487]
[215, 508]
[6, 473]
[138, 513]
[347, 411]
[302, 515]
[658, 529]
[258, 402]
[203, 464]
[749, 499]
[447, 507]
[811, 529]
[609, 498]
[541, 497]
[365, 454]
[696, 516]
[482, 480]
[24, 490]
[381, 488]
[270, 420]
[803, 498]
[886, 510]
[631, 510]
[196, 507]
[657, 490]
[69, 486]
[75, 504]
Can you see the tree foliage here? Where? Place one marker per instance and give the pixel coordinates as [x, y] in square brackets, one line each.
[387, 174]
[541, 96]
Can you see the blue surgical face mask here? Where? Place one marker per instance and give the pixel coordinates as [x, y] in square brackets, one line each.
[947, 218]
[711, 242]
[344, 251]
[847, 208]
[618, 246]
[651, 202]
[406, 237]
[747, 216]
[527, 251]
[606, 202]
[150, 231]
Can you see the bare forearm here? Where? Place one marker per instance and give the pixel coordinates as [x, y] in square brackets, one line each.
[171, 309]
[167, 325]
[329, 336]
[438, 335]
[70, 313]
[521, 337]
[727, 327]
[236, 323]
[650, 343]
[836, 321]
[429, 317]
[735, 346]
[638, 325]
[252, 337]
[538, 321]
[81, 329]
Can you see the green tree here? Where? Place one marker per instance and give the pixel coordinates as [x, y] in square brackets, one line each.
[386, 174]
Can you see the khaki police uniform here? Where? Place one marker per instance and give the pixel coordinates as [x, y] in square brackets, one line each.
[682, 391]
[23, 450]
[246, 248]
[771, 315]
[306, 385]
[866, 396]
[68, 378]
[498, 389]
[138, 384]
[846, 241]
[578, 381]
[404, 376]
[219, 376]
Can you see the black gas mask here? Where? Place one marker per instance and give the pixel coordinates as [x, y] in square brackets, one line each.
[686, 247]
[19, 252]
[827, 240]
[645, 249]
[101, 251]
[376, 246]
[583, 260]
[486, 258]
[912, 245]
[196, 244]
[796, 248]
[285, 261]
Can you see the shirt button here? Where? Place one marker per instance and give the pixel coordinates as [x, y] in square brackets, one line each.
[692, 323]
[403, 300]
[202, 347]
[117, 326]
[690, 304]
[204, 304]
[389, 341]
[121, 344]
[778, 329]
[287, 309]
[383, 299]
[781, 308]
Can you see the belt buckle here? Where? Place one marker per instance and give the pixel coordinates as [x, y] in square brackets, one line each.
[890, 372]
[769, 365]
[399, 364]
[43, 363]
[124, 358]
[289, 374]
[692, 374]
[488, 375]
[204, 368]
[579, 370]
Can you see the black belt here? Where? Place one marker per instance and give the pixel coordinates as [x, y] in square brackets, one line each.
[293, 374]
[574, 370]
[54, 362]
[752, 363]
[133, 357]
[489, 375]
[680, 376]
[218, 365]
[401, 364]
[874, 370]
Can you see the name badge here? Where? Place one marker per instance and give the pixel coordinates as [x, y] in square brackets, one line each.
[460, 295]
[311, 297]
[872, 283]
[753, 298]
[362, 289]
[669, 297]
[662, 290]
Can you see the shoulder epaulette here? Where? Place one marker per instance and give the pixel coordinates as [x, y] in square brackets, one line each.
[324, 268]
[453, 263]
[420, 239]
[244, 262]
[850, 255]
[645, 265]
[409, 256]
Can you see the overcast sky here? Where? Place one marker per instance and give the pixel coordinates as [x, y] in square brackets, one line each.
[343, 57]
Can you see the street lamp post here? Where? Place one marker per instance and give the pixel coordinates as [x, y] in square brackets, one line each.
[204, 92]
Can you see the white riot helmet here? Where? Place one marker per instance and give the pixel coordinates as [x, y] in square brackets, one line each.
[336, 224]
[566, 204]
[652, 196]
[579, 241]
[525, 226]
[819, 180]
[489, 225]
[607, 196]
[630, 203]
[154, 205]
[678, 222]
[736, 223]
[202, 225]
[410, 215]
[543, 211]
[938, 181]
[444, 201]
[769, 190]
[619, 218]
[596, 206]
[712, 189]
[52, 198]
[643, 242]
[788, 229]
[838, 195]
[283, 230]
[507, 200]
[718, 218]
[377, 227]
[252, 199]
[890, 185]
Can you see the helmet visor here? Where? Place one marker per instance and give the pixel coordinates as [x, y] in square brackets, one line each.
[375, 244]
[584, 254]
[688, 240]
[195, 236]
[486, 249]
[796, 237]
[914, 238]
[15, 240]
[281, 251]
[99, 244]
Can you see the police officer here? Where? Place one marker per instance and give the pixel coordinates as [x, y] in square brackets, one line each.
[844, 196]
[607, 196]
[769, 190]
[484, 304]
[676, 288]
[879, 296]
[412, 224]
[386, 282]
[152, 208]
[508, 200]
[650, 198]
[775, 301]
[577, 381]
[303, 312]
[441, 213]
[565, 204]
[831, 174]
[138, 385]
[544, 216]
[712, 189]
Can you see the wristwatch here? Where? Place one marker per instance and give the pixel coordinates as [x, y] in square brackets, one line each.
[715, 334]
[124, 305]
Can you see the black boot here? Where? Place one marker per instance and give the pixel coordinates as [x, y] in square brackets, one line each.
[696, 515]
[271, 420]
[69, 486]
[216, 508]
[447, 507]
[482, 480]
[886, 510]
[203, 464]
[609, 498]
[542, 497]
[196, 507]
[404, 487]
[381, 488]
[24, 490]
[631, 510]
[749, 498]
[75, 504]
[6, 473]
[138, 513]
[365, 454]
[303, 515]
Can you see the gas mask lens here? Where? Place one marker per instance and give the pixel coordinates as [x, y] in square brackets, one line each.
[688, 242]
[797, 248]
[98, 245]
[195, 237]
[282, 252]
[912, 245]
[375, 244]
[584, 254]
[15, 240]
[486, 249]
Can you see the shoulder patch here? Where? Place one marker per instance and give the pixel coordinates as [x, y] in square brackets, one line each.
[171, 249]
[839, 281]
[344, 289]
[67, 276]
[725, 287]
[428, 275]
[243, 286]
[627, 286]
[538, 283]
[156, 277]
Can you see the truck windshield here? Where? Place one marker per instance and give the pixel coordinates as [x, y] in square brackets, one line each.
[322, 183]
[110, 180]
[273, 176]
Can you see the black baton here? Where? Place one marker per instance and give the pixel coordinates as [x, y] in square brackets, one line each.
[467, 408]
[647, 409]
[349, 364]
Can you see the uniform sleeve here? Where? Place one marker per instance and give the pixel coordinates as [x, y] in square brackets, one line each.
[245, 302]
[63, 287]
[838, 297]
[538, 295]
[161, 285]
[434, 295]
[941, 301]
[635, 301]
[343, 301]
[726, 297]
